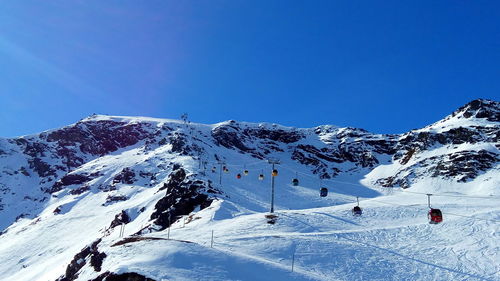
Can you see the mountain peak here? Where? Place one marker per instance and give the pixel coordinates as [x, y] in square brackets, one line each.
[480, 108]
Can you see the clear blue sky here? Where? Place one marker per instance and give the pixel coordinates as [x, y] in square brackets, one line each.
[386, 66]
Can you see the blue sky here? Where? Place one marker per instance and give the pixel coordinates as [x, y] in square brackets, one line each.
[386, 66]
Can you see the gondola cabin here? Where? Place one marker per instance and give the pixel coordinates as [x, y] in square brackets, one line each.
[357, 211]
[295, 182]
[323, 192]
[435, 216]
[275, 173]
[238, 176]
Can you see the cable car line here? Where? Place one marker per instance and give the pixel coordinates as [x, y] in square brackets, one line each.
[435, 215]
[420, 208]
[398, 190]
[350, 183]
[449, 195]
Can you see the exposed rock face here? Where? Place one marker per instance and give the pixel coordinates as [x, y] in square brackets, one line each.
[229, 136]
[71, 179]
[126, 176]
[175, 179]
[129, 276]
[121, 218]
[183, 196]
[466, 165]
[115, 198]
[41, 168]
[79, 190]
[277, 135]
[489, 110]
[461, 165]
[74, 145]
[87, 254]
[179, 143]
[100, 137]
[340, 145]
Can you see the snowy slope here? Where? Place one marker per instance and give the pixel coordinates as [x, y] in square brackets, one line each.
[67, 194]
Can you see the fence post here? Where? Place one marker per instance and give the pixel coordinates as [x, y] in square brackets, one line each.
[169, 225]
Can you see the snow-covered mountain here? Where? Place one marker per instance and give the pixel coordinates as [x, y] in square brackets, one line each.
[118, 198]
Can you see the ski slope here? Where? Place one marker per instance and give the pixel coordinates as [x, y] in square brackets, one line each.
[392, 240]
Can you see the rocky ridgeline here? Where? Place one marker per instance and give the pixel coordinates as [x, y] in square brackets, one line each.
[53, 157]
[455, 163]
[365, 150]
[483, 109]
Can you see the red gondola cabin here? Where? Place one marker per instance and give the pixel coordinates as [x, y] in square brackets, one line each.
[435, 216]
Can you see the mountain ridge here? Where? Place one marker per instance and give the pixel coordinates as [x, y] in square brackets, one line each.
[164, 170]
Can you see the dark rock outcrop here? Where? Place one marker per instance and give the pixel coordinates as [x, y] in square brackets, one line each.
[129, 276]
[229, 136]
[41, 167]
[277, 135]
[182, 196]
[114, 198]
[461, 166]
[71, 179]
[121, 218]
[79, 190]
[179, 143]
[87, 254]
[480, 108]
[99, 137]
[126, 176]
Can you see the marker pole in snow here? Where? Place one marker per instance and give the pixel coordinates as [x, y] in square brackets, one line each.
[429, 200]
[212, 241]
[122, 230]
[169, 225]
[273, 162]
[293, 260]
[204, 167]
